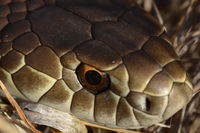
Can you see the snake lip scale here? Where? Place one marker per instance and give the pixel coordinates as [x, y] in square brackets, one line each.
[102, 61]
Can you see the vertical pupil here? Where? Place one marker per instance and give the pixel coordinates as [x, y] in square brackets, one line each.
[93, 77]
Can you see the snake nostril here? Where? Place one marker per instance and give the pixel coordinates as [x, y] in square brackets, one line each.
[148, 104]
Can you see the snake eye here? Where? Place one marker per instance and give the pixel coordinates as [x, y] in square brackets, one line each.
[92, 79]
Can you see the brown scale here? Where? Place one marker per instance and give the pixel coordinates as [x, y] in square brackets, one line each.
[122, 52]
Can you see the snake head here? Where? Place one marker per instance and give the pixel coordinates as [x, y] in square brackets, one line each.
[136, 90]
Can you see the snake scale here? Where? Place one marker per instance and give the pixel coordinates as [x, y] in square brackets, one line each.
[102, 61]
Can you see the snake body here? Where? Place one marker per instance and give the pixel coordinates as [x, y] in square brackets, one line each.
[43, 42]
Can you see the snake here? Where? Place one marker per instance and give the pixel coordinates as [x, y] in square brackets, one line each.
[103, 61]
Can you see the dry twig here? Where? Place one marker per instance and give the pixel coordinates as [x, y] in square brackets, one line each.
[17, 107]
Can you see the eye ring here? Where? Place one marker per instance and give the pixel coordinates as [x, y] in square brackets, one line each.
[92, 79]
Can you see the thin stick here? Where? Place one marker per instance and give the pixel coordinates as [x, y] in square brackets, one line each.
[17, 107]
[111, 129]
[160, 19]
[181, 120]
[197, 88]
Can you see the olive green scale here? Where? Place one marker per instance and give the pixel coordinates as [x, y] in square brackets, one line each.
[43, 42]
